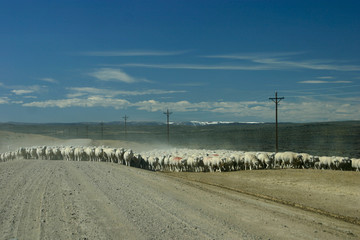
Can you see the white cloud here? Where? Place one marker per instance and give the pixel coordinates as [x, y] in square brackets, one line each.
[83, 91]
[131, 53]
[197, 66]
[50, 80]
[30, 97]
[316, 110]
[4, 100]
[309, 64]
[253, 65]
[117, 75]
[322, 82]
[281, 61]
[190, 84]
[340, 82]
[78, 92]
[29, 89]
[313, 82]
[156, 106]
[95, 101]
[256, 62]
[255, 56]
[22, 91]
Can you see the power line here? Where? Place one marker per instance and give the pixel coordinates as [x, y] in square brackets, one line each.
[276, 100]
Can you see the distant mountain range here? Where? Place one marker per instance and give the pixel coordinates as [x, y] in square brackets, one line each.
[150, 123]
[199, 123]
[186, 123]
[155, 123]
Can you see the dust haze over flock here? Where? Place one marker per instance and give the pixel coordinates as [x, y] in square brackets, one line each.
[205, 61]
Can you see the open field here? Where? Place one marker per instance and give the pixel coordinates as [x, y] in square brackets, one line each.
[44, 199]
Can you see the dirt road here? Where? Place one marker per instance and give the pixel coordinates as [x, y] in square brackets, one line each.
[91, 200]
[331, 193]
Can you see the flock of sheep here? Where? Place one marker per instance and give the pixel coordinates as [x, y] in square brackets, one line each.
[190, 160]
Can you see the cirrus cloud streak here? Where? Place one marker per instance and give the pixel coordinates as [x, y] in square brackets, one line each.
[133, 53]
[116, 75]
[82, 91]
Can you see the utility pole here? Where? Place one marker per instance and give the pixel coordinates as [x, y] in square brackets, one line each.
[276, 100]
[168, 124]
[125, 118]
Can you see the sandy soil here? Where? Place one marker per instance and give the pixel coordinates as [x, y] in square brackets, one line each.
[42, 199]
[331, 193]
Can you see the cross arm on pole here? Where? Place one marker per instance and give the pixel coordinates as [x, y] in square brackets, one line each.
[276, 100]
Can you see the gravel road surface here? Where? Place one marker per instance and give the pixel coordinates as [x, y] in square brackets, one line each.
[90, 200]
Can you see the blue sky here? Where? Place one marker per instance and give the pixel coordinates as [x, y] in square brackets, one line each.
[70, 61]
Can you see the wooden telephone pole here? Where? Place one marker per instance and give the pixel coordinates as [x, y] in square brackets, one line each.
[168, 124]
[276, 100]
[125, 118]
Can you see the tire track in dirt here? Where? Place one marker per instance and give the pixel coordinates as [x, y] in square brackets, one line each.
[36, 207]
[10, 181]
[316, 214]
[96, 216]
[54, 215]
[348, 219]
[143, 204]
[31, 211]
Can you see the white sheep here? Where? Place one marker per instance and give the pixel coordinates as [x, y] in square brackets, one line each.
[265, 159]
[21, 153]
[288, 159]
[306, 160]
[185, 159]
[325, 162]
[90, 153]
[128, 155]
[238, 159]
[48, 153]
[251, 161]
[79, 154]
[153, 162]
[99, 154]
[120, 155]
[342, 163]
[69, 153]
[110, 154]
[355, 164]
